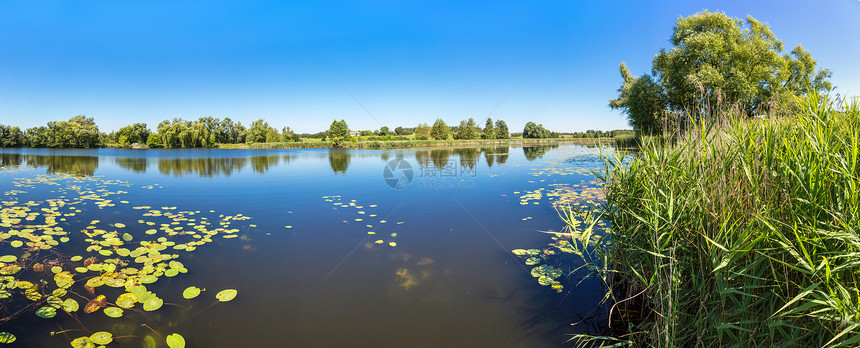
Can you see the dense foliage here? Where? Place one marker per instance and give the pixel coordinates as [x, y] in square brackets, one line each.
[717, 59]
[536, 131]
[744, 231]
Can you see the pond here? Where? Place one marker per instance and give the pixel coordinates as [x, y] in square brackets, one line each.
[361, 248]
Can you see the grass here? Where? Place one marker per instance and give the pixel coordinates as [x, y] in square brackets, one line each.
[742, 232]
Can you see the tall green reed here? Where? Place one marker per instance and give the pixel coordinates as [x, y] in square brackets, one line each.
[737, 232]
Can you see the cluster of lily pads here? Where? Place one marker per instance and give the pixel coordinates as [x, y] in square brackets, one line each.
[363, 211]
[38, 275]
[585, 195]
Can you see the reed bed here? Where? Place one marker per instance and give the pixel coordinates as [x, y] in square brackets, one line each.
[740, 232]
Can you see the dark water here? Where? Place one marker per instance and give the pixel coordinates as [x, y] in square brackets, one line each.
[450, 280]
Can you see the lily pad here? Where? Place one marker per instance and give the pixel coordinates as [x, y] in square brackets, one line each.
[8, 258]
[226, 295]
[119, 225]
[531, 261]
[101, 337]
[83, 342]
[191, 292]
[175, 341]
[113, 312]
[152, 303]
[6, 337]
[95, 304]
[46, 312]
[126, 300]
[70, 305]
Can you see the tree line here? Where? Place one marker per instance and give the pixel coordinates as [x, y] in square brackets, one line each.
[82, 132]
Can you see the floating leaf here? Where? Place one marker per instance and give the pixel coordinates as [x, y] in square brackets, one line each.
[16, 244]
[46, 312]
[95, 304]
[8, 258]
[127, 237]
[70, 305]
[191, 292]
[531, 261]
[119, 225]
[113, 312]
[152, 303]
[83, 342]
[6, 337]
[175, 341]
[126, 300]
[226, 295]
[101, 337]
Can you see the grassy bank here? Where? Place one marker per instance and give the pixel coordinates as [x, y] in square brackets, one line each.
[378, 144]
[741, 233]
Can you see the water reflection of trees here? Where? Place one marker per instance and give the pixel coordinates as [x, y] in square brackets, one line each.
[134, 164]
[75, 165]
[468, 156]
[534, 152]
[339, 161]
[214, 166]
[498, 154]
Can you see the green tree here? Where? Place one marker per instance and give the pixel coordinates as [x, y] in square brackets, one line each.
[535, 131]
[467, 130]
[489, 131]
[440, 130]
[153, 140]
[338, 130]
[719, 59]
[502, 131]
[384, 131]
[11, 136]
[135, 133]
[258, 132]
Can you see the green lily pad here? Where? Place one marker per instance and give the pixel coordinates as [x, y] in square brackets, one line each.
[226, 295]
[531, 261]
[6, 337]
[127, 237]
[83, 342]
[152, 303]
[70, 305]
[171, 272]
[148, 279]
[191, 292]
[126, 300]
[46, 312]
[8, 258]
[16, 244]
[119, 225]
[175, 341]
[101, 337]
[113, 312]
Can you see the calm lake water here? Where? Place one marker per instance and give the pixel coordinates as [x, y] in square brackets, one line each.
[307, 271]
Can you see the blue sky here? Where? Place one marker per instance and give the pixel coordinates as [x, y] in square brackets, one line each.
[302, 65]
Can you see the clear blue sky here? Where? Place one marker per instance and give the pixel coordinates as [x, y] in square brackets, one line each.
[553, 62]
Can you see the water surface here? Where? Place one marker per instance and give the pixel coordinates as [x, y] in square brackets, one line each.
[308, 273]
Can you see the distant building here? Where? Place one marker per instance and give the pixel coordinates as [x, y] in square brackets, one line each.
[353, 133]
